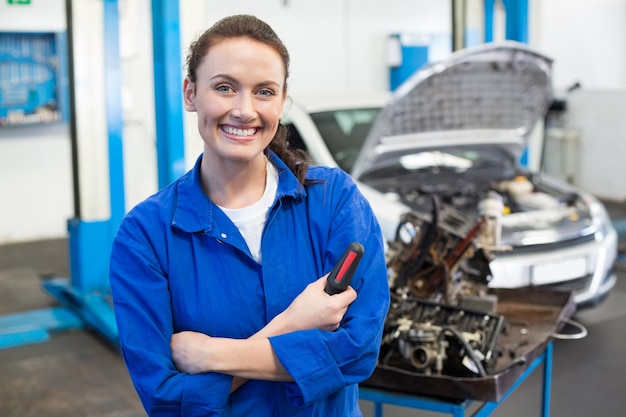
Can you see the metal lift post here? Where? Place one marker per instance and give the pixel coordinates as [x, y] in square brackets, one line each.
[85, 300]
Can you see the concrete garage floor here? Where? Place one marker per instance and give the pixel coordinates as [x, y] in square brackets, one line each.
[77, 373]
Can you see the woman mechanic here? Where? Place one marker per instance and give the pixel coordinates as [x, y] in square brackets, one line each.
[218, 279]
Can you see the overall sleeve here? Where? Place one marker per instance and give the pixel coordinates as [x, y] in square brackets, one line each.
[142, 305]
[323, 362]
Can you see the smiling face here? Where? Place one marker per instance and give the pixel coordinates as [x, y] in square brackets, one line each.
[238, 96]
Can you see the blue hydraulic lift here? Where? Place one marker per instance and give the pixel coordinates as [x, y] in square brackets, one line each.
[84, 299]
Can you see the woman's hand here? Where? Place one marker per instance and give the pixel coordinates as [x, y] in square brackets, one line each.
[313, 308]
[189, 351]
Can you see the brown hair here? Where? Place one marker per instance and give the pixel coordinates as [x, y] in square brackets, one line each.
[247, 26]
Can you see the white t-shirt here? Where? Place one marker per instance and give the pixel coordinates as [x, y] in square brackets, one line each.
[251, 220]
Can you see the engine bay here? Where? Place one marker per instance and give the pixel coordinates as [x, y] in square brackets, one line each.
[523, 204]
[444, 323]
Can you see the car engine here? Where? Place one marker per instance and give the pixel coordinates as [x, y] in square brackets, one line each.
[441, 319]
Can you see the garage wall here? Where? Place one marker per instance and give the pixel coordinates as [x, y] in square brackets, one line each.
[36, 194]
[340, 50]
[35, 183]
[335, 45]
[600, 149]
[586, 38]
[35, 168]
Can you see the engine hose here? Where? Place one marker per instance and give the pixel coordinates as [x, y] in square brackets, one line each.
[468, 348]
[582, 331]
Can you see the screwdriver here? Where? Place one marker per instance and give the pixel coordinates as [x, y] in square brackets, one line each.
[341, 275]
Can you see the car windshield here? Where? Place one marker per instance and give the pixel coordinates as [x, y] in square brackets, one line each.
[344, 132]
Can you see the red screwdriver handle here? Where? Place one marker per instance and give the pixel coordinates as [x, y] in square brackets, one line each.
[341, 275]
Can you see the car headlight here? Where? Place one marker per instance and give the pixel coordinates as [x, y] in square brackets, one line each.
[599, 216]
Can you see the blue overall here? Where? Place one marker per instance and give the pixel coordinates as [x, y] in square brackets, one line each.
[179, 263]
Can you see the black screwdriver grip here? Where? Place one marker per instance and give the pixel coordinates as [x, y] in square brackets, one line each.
[341, 275]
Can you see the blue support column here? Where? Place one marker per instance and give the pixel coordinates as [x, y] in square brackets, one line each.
[414, 55]
[115, 121]
[85, 298]
[517, 30]
[489, 12]
[87, 293]
[168, 88]
[516, 19]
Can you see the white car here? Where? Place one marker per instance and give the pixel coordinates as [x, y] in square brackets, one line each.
[456, 129]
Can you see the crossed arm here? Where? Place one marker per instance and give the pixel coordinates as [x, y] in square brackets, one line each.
[254, 357]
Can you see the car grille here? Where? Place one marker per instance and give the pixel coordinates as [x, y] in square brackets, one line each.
[548, 246]
[576, 285]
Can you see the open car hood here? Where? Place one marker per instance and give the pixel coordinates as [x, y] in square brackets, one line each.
[497, 87]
